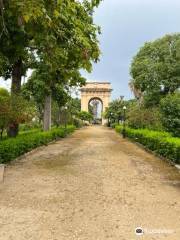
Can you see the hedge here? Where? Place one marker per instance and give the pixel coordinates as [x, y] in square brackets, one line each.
[12, 148]
[162, 143]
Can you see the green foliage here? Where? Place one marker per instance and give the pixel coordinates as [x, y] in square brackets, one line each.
[14, 110]
[77, 123]
[113, 125]
[170, 109]
[141, 117]
[4, 92]
[74, 106]
[161, 143]
[21, 111]
[4, 110]
[85, 116]
[156, 68]
[56, 38]
[15, 147]
[29, 126]
[115, 111]
[60, 115]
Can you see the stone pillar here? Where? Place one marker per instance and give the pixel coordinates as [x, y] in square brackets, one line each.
[84, 103]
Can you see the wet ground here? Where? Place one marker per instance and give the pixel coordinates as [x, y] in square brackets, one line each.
[93, 185]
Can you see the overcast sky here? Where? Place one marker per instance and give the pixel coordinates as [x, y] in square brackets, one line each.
[126, 25]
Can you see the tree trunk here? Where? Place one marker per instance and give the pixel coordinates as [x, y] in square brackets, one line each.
[47, 113]
[16, 77]
[2, 129]
[59, 116]
[15, 90]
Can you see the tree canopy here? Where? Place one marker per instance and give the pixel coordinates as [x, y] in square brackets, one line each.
[170, 109]
[155, 70]
[56, 38]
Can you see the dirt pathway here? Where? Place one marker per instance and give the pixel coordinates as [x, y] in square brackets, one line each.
[92, 185]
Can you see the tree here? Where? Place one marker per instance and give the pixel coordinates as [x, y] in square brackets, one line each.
[74, 106]
[22, 112]
[73, 50]
[38, 89]
[115, 110]
[59, 36]
[85, 116]
[70, 114]
[170, 109]
[80, 50]
[4, 92]
[155, 70]
[4, 110]
[139, 116]
[73, 109]
[23, 24]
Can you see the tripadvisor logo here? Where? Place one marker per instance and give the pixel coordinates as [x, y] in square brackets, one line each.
[139, 231]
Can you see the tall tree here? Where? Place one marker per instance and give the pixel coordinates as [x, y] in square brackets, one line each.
[170, 110]
[59, 35]
[22, 24]
[75, 49]
[155, 70]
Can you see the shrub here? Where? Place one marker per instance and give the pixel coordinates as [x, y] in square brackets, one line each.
[170, 109]
[29, 126]
[113, 125]
[85, 116]
[161, 143]
[14, 147]
[141, 117]
[4, 110]
[77, 123]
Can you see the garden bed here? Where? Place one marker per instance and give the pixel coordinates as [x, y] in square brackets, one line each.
[161, 143]
[12, 148]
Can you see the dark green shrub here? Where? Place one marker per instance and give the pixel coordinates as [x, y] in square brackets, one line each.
[161, 143]
[85, 116]
[15, 147]
[29, 126]
[77, 123]
[113, 125]
[141, 117]
[170, 109]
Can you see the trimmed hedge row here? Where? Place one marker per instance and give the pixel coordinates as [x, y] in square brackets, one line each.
[14, 147]
[162, 143]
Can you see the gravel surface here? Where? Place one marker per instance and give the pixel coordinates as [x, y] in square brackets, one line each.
[93, 185]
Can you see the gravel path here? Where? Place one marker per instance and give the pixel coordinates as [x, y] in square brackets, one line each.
[93, 185]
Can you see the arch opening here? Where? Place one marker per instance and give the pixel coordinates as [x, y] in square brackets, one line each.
[95, 107]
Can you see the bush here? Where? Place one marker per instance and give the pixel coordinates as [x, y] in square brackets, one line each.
[113, 125]
[15, 147]
[29, 126]
[85, 116]
[161, 143]
[141, 117]
[77, 123]
[170, 109]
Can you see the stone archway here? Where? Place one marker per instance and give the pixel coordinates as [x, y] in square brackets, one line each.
[93, 90]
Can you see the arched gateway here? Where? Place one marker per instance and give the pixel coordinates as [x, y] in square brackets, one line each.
[96, 91]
